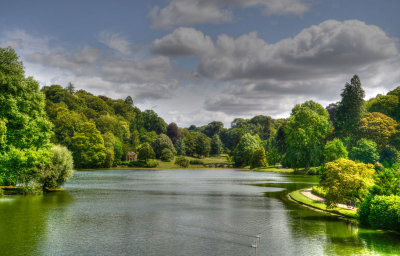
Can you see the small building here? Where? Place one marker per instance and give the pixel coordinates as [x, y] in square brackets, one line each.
[131, 156]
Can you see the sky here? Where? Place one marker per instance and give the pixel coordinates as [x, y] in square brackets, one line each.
[196, 61]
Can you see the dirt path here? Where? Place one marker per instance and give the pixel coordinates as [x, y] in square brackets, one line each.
[308, 193]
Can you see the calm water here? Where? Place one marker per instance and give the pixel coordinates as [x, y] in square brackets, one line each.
[179, 212]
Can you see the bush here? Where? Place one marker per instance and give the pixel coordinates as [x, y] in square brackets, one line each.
[365, 151]
[136, 164]
[182, 162]
[196, 162]
[60, 168]
[258, 158]
[1, 192]
[167, 155]
[312, 171]
[319, 191]
[152, 163]
[382, 211]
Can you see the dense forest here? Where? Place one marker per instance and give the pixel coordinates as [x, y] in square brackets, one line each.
[353, 144]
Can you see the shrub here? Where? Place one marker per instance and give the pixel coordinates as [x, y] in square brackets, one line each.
[365, 151]
[382, 211]
[152, 163]
[1, 192]
[258, 158]
[196, 162]
[167, 155]
[137, 164]
[319, 191]
[182, 162]
[60, 168]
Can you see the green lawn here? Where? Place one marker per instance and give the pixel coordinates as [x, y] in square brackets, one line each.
[271, 169]
[299, 197]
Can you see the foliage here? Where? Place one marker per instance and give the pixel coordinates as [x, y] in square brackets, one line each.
[145, 152]
[365, 151]
[388, 105]
[216, 145]
[305, 132]
[180, 147]
[258, 159]
[167, 155]
[387, 182]
[346, 180]
[182, 161]
[129, 100]
[389, 156]
[350, 109]
[162, 141]
[197, 144]
[109, 142]
[196, 162]
[319, 191]
[152, 163]
[334, 149]
[381, 212]
[60, 168]
[273, 156]
[173, 132]
[378, 128]
[244, 149]
[152, 122]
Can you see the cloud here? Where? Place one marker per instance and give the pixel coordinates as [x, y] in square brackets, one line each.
[116, 42]
[329, 48]
[183, 42]
[190, 12]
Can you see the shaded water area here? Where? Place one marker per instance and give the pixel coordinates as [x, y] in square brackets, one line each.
[180, 212]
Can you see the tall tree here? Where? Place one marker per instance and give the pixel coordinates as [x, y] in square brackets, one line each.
[216, 145]
[245, 148]
[162, 141]
[351, 108]
[173, 132]
[70, 88]
[258, 159]
[129, 100]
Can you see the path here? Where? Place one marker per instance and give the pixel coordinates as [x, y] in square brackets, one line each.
[308, 193]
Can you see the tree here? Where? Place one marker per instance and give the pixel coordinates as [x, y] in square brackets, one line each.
[216, 145]
[70, 88]
[60, 168]
[351, 108]
[129, 100]
[152, 122]
[273, 156]
[346, 180]
[162, 141]
[305, 132]
[180, 147]
[331, 108]
[213, 128]
[388, 105]
[203, 145]
[173, 132]
[146, 152]
[88, 146]
[109, 141]
[167, 155]
[182, 162]
[378, 128]
[389, 156]
[365, 151]
[334, 150]
[245, 148]
[258, 159]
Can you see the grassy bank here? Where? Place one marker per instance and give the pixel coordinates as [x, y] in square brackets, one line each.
[271, 169]
[302, 199]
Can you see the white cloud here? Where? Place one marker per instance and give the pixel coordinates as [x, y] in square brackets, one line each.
[190, 12]
[116, 42]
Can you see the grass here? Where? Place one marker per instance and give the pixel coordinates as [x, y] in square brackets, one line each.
[300, 198]
[212, 159]
[271, 169]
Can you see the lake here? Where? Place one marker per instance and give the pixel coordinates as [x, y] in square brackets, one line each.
[180, 212]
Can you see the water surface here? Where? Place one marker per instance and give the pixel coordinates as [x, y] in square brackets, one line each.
[180, 212]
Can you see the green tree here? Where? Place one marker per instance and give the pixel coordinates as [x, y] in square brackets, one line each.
[167, 155]
[351, 108]
[60, 168]
[365, 151]
[203, 145]
[70, 88]
[389, 156]
[334, 149]
[378, 128]
[162, 141]
[182, 161]
[118, 151]
[109, 141]
[244, 149]
[88, 146]
[388, 105]
[216, 145]
[146, 152]
[152, 122]
[258, 158]
[129, 100]
[273, 156]
[180, 147]
[346, 180]
[305, 132]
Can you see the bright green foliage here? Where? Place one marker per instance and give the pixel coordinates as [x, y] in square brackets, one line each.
[145, 152]
[152, 122]
[3, 134]
[60, 168]
[244, 149]
[167, 155]
[182, 161]
[377, 127]
[389, 156]
[66, 123]
[273, 156]
[162, 141]
[258, 159]
[388, 105]
[216, 145]
[118, 150]
[381, 212]
[88, 146]
[109, 142]
[152, 163]
[387, 182]
[350, 109]
[346, 180]
[365, 151]
[305, 132]
[333, 150]
[180, 147]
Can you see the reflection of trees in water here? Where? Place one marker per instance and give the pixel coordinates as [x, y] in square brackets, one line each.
[23, 221]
